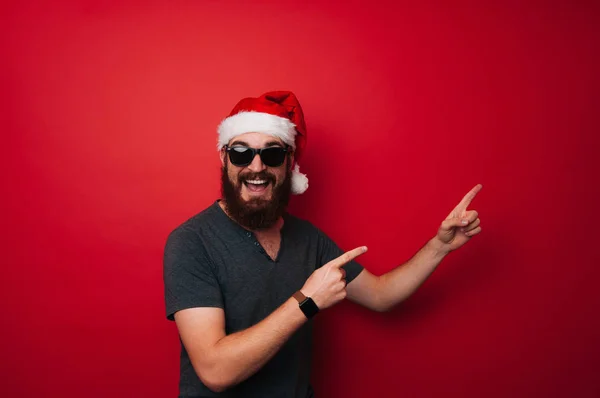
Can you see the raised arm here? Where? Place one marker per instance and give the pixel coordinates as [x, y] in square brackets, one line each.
[384, 292]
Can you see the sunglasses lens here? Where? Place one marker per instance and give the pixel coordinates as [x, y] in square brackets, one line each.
[273, 157]
[240, 156]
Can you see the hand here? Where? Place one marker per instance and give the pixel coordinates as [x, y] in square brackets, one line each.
[327, 285]
[454, 231]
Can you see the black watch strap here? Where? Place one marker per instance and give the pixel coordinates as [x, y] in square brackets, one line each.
[307, 305]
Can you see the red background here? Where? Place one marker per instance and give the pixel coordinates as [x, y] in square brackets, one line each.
[108, 124]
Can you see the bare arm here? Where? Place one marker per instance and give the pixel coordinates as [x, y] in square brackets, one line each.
[381, 293]
[222, 361]
[384, 292]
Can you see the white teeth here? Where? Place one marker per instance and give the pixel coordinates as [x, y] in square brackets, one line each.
[256, 181]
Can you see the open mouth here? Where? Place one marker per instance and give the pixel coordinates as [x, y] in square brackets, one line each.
[256, 186]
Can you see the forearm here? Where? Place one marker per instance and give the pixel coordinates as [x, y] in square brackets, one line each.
[398, 284]
[239, 355]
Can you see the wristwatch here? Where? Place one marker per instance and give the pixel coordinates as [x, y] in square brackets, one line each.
[307, 305]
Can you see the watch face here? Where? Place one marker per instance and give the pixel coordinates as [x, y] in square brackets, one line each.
[309, 307]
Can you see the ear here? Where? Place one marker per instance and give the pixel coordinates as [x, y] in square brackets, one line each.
[223, 156]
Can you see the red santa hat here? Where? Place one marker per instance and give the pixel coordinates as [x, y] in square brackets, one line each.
[276, 113]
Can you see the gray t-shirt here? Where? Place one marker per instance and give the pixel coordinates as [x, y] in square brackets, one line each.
[211, 261]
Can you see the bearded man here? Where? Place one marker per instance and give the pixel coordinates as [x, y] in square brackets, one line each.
[243, 278]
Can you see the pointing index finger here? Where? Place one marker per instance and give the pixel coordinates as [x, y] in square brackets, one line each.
[466, 201]
[348, 256]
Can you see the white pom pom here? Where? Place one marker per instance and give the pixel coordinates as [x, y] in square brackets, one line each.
[299, 181]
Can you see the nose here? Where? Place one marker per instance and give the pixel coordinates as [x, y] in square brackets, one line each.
[257, 165]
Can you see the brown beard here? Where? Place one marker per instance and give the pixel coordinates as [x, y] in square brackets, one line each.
[257, 213]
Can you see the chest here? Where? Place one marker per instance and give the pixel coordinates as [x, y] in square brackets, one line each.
[271, 244]
[251, 283]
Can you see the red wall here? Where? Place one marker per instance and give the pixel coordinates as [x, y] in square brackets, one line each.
[108, 124]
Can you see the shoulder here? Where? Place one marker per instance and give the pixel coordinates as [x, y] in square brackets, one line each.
[304, 229]
[196, 226]
[299, 225]
[188, 244]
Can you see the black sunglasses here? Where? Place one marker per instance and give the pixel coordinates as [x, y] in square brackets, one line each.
[272, 156]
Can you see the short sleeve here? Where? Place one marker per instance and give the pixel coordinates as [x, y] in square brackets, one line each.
[188, 274]
[328, 250]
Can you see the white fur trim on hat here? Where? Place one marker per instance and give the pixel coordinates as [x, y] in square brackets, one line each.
[299, 181]
[256, 122]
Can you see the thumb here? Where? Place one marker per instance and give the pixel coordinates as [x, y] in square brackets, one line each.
[450, 223]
